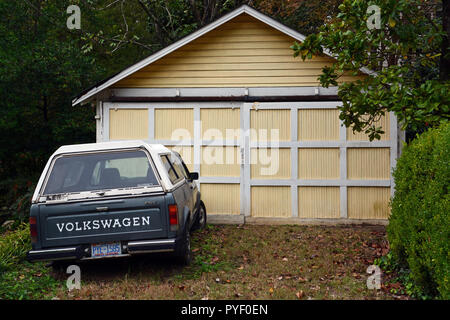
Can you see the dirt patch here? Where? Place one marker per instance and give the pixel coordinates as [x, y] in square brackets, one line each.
[248, 262]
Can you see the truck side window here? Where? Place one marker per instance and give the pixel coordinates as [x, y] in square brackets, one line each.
[173, 176]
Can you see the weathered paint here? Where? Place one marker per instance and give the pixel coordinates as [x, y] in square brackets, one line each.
[368, 202]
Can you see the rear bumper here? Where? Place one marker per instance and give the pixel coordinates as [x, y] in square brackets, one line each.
[82, 252]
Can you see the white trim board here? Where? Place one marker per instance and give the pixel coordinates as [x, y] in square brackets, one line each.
[158, 55]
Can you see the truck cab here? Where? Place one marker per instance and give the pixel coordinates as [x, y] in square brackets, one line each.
[114, 199]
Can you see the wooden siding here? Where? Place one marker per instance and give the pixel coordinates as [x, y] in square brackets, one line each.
[128, 124]
[270, 163]
[271, 123]
[361, 136]
[220, 162]
[368, 163]
[318, 163]
[368, 202]
[216, 122]
[271, 202]
[318, 124]
[169, 120]
[241, 53]
[221, 198]
[318, 202]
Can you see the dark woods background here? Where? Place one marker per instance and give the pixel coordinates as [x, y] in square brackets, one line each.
[43, 65]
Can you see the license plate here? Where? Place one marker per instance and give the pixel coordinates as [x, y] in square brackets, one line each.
[100, 250]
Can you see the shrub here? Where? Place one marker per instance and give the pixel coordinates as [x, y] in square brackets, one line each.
[14, 246]
[419, 227]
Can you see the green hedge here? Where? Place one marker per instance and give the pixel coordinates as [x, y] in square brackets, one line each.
[419, 227]
[14, 246]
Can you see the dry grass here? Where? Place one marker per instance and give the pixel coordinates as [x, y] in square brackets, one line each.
[247, 262]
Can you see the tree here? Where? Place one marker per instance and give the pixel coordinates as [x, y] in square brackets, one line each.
[408, 56]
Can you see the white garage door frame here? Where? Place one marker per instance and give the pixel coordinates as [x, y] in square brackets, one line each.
[245, 145]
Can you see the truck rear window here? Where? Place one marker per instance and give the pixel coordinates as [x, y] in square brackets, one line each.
[100, 171]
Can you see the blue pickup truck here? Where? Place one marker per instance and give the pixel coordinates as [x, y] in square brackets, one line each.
[114, 199]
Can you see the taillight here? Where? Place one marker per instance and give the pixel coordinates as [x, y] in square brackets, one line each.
[173, 216]
[33, 229]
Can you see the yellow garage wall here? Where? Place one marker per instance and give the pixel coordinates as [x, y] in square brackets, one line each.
[368, 202]
[271, 202]
[221, 198]
[220, 162]
[368, 163]
[169, 120]
[361, 136]
[318, 202]
[274, 163]
[242, 52]
[318, 124]
[219, 120]
[128, 124]
[187, 153]
[268, 120]
[318, 163]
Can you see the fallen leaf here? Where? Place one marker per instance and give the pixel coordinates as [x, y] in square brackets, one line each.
[300, 294]
[271, 290]
[285, 259]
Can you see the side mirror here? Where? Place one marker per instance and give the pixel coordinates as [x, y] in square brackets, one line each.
[193, 176]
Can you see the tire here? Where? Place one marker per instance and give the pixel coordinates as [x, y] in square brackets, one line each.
[184, 252]
[200, 221]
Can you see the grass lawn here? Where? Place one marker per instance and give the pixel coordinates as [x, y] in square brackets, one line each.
[246, 262]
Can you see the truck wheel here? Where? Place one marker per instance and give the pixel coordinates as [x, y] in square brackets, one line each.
[200, 222]
[184, 254]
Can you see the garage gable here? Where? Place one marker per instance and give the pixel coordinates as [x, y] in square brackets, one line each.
[244, 48]
[243, 52]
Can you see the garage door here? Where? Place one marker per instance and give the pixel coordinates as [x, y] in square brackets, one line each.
[263, 160]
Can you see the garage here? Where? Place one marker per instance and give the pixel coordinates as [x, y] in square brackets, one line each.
[265, 138]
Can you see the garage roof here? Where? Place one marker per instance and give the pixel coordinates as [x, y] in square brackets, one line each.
[99, 87]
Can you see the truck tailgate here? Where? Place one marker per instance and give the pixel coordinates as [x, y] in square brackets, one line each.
[103, 221]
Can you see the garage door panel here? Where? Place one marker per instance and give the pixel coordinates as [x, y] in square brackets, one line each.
[174, 124]
[368, 163]
[318, 163]
[270, 125]
[318, 124]
[270, 163]
[128, 124]
[319, 202]
[220, 124]
[271, 202]
[368, 202]
[221, 198]
[383, 122]
[220, 162]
